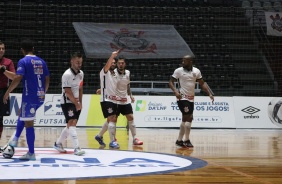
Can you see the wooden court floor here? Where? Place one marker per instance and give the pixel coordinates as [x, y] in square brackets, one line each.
[234, 156]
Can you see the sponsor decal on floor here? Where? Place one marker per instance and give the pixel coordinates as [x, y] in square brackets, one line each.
[50, 164]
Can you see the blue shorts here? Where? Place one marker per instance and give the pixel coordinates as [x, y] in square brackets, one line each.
[28, 110]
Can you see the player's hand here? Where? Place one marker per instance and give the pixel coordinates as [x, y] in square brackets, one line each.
[132, 99]
[115, 53]
[178, 95]
[78, 106]
[212, 98]
[2, 68]
[98, 91]
[5, 98]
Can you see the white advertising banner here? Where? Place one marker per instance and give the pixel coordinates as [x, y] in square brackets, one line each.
[258, 112]
[162, 111]
[49, 114]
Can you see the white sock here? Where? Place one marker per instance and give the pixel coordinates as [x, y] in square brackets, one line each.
[104, 129]
[112, 130]
[73, 135]
[132, 128]
[187, 130]
[64, 135]
[181, 131]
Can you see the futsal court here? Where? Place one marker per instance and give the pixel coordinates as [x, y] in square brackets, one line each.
[231, 155]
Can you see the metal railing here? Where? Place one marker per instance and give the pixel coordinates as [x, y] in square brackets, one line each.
[157, 90]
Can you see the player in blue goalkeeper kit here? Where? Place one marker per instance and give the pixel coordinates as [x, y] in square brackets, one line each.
[34, 74]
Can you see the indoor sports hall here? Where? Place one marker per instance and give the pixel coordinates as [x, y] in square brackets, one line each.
[237, 46]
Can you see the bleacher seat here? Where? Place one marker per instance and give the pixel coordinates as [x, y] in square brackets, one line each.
[11, 43]
[256, 5]
[267, 5]
[10, 24]
[217, 31]
[246, 4]
[28, 15]
[277, 5]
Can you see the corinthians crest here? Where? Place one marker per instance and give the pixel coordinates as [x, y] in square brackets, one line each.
[277, 22]
[131, 41]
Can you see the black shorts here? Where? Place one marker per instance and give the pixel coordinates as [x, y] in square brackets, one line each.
[108, 108]
[124, 109]
[70, 111]
[186, 107]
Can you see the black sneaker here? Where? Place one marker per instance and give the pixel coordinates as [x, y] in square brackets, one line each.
[179, 143]
[188, 144]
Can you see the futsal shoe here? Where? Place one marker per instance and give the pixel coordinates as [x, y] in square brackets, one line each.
[100, 141]
[136, 141]
[179, 143]
[28, 156]
[114, 145]
[188, 144]
[59, 147]
[13, 143]
[78, 151]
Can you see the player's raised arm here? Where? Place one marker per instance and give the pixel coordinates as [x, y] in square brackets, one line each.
[110, 60]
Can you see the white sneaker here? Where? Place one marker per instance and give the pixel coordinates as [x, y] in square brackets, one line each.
[13, 143]
[28, 156]
[59, 147]
[78, 151]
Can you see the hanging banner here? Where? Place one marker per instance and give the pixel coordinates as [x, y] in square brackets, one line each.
[135, 41]
[274, 23]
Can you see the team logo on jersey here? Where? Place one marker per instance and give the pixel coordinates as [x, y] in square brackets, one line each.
[186, 109]
[32, 110]
[70, 113]
[276, 22]
[110, 110]
[19, 69]
[131, 41]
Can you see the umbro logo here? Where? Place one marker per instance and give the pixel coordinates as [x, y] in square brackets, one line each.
[251, 110]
